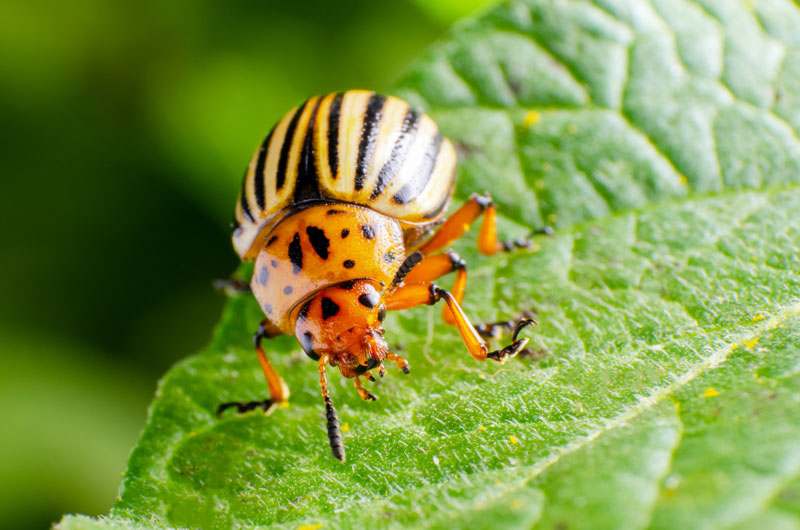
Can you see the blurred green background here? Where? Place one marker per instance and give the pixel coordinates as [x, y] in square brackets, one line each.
[126, 129]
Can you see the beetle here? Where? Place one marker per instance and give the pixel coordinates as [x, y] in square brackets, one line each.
[342, 208]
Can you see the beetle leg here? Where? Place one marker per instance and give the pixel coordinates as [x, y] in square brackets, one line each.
[400, 361]
[231, 286]
[457, 225]
[493, 330]
[334, 434]
[363, 393]
[419, 294]
[434, 267]
[278, 391]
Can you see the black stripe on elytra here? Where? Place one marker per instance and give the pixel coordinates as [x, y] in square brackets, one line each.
[369, 132]
[245, 204]
[319, 242]
[421, 178]
[288, 140]
[259, 173]
[409, 263]
[399, 152]
[272, 240]
[333, 133]
[306, 186]
[296, 254]
[329, 308]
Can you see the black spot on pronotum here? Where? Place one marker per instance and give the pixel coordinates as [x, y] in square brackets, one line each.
[348, 264]
[274, 264]
[272, 240]
[288, 289]
[345, 233]
[263, 275]
[388, 257]
[369, 299]
[329, 308]
[368, 231]
[268, 309]
[319, 242]
[296, 254]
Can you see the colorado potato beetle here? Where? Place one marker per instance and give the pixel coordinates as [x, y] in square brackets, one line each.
[342, 210]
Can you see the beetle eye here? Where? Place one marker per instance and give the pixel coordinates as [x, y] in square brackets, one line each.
[382, 313]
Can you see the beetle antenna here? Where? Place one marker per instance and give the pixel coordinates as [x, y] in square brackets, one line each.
[334, 433]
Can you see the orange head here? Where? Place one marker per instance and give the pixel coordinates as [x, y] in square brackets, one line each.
[343, 323]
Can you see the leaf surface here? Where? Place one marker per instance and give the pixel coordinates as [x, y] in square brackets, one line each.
[660, 138]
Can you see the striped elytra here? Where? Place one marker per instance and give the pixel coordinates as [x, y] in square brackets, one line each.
[355, 147]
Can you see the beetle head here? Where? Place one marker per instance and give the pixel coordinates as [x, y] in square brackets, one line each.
[343, 322]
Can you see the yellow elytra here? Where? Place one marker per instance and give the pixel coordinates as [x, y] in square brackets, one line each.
[342, 209]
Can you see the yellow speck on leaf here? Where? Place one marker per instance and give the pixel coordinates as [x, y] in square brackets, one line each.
[539, 184]
[312, 526]
[758, 317]
[516, 504]
[683, 180]
[345, 427]
[551, 218]
[532, 117]
[481, 428]
[710, 392]
[750, 343]
[513, 439]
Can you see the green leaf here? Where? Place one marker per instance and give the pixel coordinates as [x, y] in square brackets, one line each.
[660, 137]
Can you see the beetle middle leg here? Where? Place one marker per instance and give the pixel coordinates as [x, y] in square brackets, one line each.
[429, 293]
[457, 225]
[278, 391]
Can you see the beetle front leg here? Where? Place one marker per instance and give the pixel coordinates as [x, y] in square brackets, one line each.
[278, 390]
[419, 294]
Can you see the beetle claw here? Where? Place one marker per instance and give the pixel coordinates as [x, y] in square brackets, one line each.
[509, 351]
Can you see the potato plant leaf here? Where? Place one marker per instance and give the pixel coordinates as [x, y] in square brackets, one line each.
[660, 138]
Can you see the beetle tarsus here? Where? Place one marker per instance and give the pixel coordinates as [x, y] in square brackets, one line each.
[245, 406]
[231, 286]
[509, 351]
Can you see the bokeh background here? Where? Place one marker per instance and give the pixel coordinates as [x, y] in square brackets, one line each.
[126, 127]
